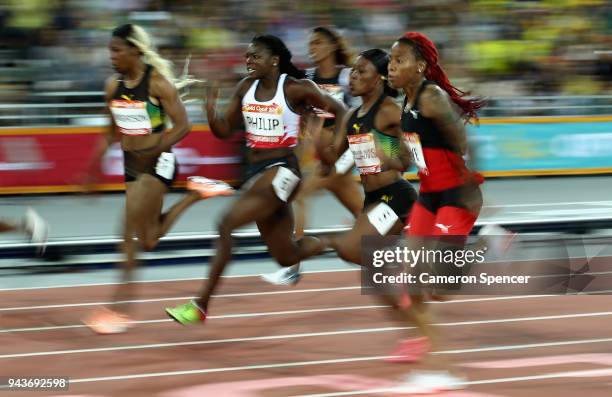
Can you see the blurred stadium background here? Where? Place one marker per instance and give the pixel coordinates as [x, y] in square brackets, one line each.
[542, 59]
[54, 52]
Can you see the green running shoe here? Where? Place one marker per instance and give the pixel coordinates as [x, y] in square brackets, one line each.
[187, 314]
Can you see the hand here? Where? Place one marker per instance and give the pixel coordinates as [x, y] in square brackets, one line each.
[88, 181]
[325, 169]
[313, 126]
[212, 95]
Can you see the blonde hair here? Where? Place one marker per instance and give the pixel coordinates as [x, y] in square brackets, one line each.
[139, 38]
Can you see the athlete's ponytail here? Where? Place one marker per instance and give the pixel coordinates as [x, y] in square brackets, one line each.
[424, 49]
[137, 37]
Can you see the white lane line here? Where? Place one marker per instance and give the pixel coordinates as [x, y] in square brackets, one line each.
[335, 361]
[571, 203]
[220, 317]
[293, 291]
[237, 295]
[606, 372]
[304, 335]
[475, 300]
[165, 280]
[201, 342]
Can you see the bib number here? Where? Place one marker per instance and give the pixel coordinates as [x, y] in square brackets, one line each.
[284, 183]
[131, 117]
[364, 152]
[165, 165]
[382, 217]
[414, 144]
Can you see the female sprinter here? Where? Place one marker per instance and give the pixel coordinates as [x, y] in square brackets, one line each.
[331, 56]
[433, 123]
[141, 97]
[269, 102]
[372, 133]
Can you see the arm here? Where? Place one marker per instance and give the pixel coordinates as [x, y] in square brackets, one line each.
[223, 125]
[305, 94]
[436, 105]
[92, 173]
[170, 101]
[109, 136]
[329, 154]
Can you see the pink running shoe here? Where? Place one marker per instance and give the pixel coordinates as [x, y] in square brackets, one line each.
[410, 351]
[209, 187]
[105, 321]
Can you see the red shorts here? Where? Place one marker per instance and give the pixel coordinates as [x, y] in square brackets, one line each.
[442, 213]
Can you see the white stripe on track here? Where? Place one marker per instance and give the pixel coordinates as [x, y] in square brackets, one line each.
[342, 361]
[606, 372]
[165, 280]
[293, 291]
[220, 317]
[305, 335]
[237, 295]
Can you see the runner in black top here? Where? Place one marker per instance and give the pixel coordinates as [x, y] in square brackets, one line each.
[141, 97]
[433, 121]
[372, 133]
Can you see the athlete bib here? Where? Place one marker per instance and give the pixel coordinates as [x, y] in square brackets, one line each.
[414, 144]
[364, 151]
[264, 125]
[131, 117]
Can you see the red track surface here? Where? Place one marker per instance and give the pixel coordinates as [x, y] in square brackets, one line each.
[261, 355]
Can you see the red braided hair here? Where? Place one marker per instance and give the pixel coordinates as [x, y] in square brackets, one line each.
[427, 51]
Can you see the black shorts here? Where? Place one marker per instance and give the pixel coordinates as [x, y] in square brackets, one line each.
[453, 197]
[290, 162]
[165, 170]
[400, 196]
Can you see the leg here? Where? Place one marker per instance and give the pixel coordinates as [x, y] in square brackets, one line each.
[8, 226]
[141, 202]
[257, 203]
[311, 184]
[348, 247]
[348, 192]
[277, 231]
[420, 223]
[144, 199]
[167, 219]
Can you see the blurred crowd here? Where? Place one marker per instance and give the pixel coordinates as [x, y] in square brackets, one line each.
[495, 47]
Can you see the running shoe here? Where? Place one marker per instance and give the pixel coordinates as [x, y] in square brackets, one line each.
[37, 228]
[187, 314]
[429, 382]
[499, 240]
[105, 321]
[410, 351]
[209, 187]
[283, 276]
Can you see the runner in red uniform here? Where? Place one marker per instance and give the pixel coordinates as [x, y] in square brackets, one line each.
[433, 121]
